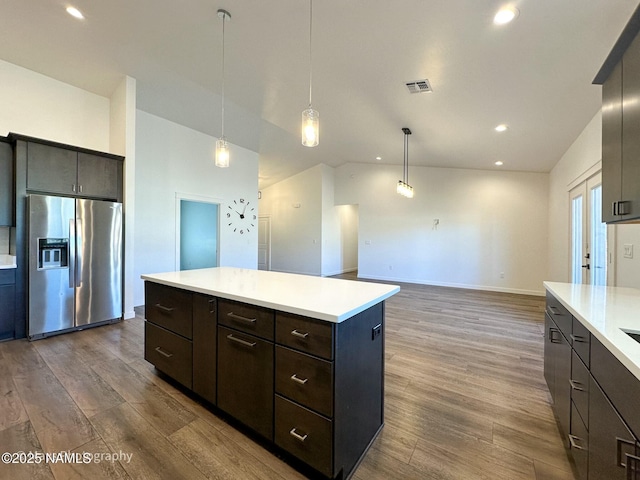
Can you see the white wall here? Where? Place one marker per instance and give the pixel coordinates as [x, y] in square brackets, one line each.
[331, 237]
[172, 159]
[295, 206]
[490, 223]
[39, 106]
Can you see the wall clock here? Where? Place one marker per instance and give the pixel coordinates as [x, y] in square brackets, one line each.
[241, 216]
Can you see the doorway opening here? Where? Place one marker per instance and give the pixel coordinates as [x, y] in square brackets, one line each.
[197, 243]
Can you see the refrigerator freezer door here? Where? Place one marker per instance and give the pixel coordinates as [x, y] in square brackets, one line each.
[98, 261]
[51, 293]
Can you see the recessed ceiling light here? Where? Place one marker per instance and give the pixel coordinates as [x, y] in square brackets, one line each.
[505, 15]
[498, 163]
[501, 128]
[74, 12]
[378, 158]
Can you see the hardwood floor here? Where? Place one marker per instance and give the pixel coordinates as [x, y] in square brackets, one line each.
[465, 399]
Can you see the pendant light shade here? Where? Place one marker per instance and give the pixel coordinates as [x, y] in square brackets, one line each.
[310, 117]
[403, 187]
[222, 146]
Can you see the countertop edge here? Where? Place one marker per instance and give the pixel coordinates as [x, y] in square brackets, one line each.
[273, 305]
[612, 347]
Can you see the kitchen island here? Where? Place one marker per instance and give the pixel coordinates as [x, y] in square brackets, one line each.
[592, 368]
[297, 359]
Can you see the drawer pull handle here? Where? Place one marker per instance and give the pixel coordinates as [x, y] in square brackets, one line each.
[554, 310]
[296, 333]
[553, 338]
[164, 309]
[163, 353]
[619, 447]
[241, 342]
[578, 338]
[576, 386]
[297, 436]
[301, 381]
[632, 466]
[241, 318]
[574, 442]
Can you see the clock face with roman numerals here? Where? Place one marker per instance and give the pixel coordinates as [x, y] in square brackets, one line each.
[241, 216]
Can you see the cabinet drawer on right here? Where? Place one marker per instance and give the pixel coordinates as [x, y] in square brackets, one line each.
[304, 434]
[580, 387]
[305, 379]
[305, 334]
[581, 341]
[247, 318]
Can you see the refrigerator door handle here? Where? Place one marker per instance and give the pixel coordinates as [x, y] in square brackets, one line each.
[79, 249]
[72, 253]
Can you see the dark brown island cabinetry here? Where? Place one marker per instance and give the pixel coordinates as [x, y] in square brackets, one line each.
[314, 389]
[600, 419]
[7, 303]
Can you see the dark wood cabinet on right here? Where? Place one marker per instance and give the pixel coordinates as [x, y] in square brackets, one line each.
[620, 80]
[595, 399]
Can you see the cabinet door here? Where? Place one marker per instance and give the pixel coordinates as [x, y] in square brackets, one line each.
[204, 346]
[612, 144]
[7, 308]
[51, 169]
[631, 130]
[6, 184]
[609, 440]
[245, 379]
[562, 401]
[550, 331]
[97, 176]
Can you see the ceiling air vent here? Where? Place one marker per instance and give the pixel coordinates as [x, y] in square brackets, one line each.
[419, 86]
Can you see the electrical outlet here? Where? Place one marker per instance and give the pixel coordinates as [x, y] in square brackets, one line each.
[628, 250]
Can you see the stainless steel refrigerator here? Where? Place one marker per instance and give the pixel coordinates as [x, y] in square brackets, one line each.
[75, 263]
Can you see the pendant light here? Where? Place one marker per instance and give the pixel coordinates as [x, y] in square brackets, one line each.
[403, 187]
[310, 117]
[222, 146]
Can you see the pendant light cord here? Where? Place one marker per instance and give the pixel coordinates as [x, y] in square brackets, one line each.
[310, 62]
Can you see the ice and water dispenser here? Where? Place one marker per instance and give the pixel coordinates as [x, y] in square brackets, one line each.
[53, 253]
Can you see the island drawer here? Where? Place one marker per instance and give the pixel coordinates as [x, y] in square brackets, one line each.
[246, 318]
[305, 379]
[169, 307]
[559, 314]
[581, 340]
[304, 434]
[170, 353]
[305, 334]
[580, 387]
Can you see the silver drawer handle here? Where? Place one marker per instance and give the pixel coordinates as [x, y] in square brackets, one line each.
[240, 341]
[301, 381]
[576, 386]
[578, 338]
[296, 333]
[241, 318]
[164, 309]
[573, 440]
[163, 353]
[297, 436]
[554, 310]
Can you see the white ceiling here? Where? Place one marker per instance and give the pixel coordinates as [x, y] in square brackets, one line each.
[533, 74]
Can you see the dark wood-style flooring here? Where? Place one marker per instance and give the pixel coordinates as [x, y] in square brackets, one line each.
[465, 399]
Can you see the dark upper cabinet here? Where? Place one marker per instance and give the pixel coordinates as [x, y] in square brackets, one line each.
[620, 79]
[62, 171]
[51, 169]
[6, 184]
[612, 145]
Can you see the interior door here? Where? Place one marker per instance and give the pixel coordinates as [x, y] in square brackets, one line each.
[588, 233]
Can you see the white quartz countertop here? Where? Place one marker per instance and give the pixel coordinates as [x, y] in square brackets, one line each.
[329, 299]
[606, 312]
[7, 261]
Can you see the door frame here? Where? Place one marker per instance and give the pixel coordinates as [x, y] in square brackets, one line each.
[194, 198]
